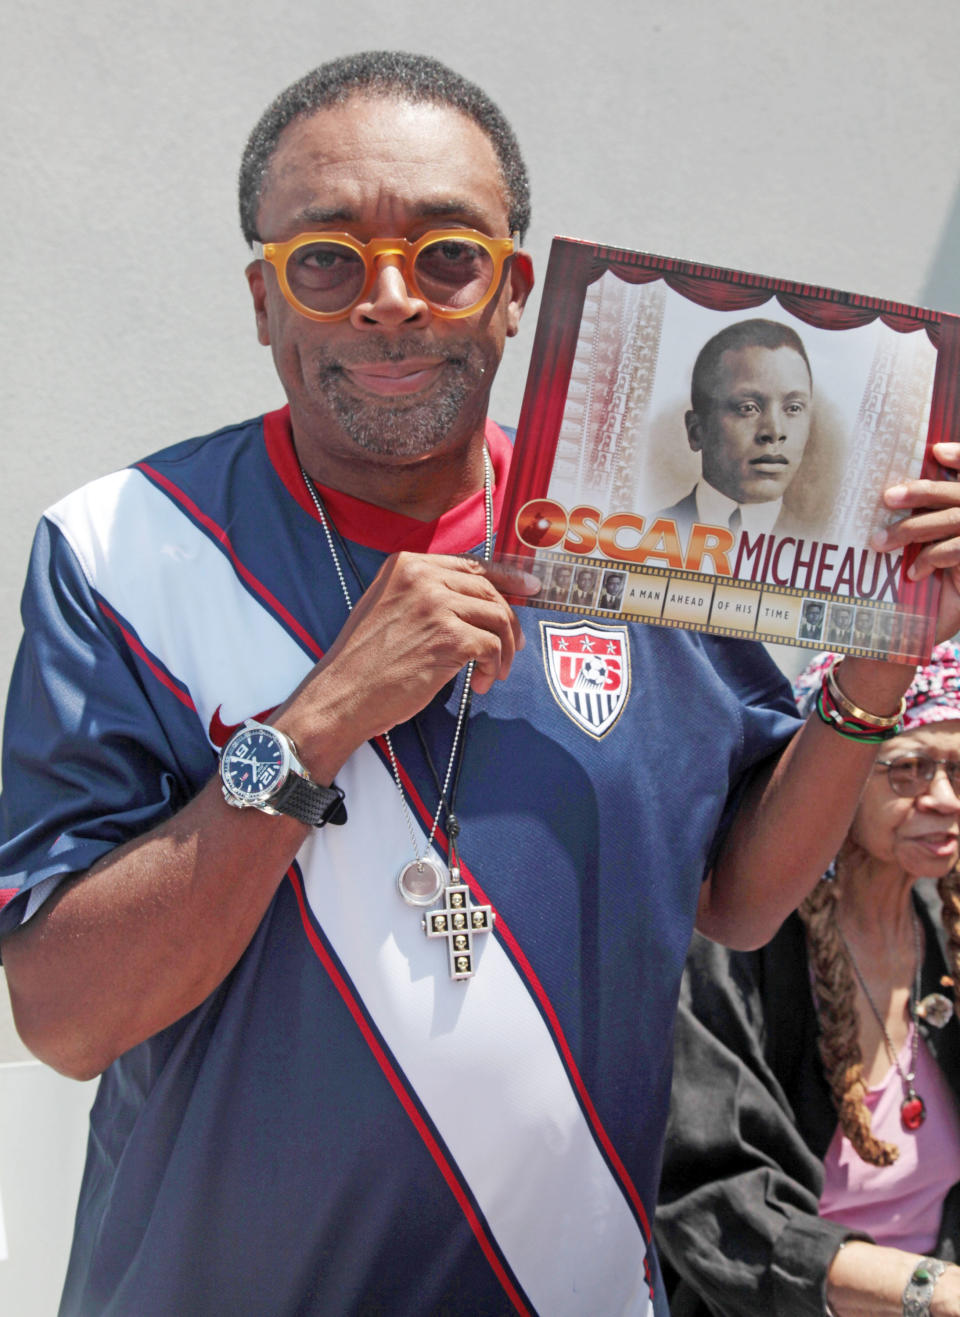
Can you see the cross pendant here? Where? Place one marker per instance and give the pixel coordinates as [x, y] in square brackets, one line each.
[458, 921]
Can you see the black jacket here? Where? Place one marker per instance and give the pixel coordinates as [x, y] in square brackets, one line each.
[751, 1120]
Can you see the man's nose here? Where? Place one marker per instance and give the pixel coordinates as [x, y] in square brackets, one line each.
[390, 300]
[770, 427]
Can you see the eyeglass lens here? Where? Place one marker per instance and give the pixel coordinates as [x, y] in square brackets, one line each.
[329, 276]
[912, 775]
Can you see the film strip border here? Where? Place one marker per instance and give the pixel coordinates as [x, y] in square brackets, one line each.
[723, 605]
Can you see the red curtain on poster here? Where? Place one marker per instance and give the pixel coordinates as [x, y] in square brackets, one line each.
[817, 309]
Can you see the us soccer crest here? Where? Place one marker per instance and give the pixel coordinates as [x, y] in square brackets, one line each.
[588, 668]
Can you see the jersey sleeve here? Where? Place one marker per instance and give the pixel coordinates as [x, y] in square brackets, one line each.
[89, 757]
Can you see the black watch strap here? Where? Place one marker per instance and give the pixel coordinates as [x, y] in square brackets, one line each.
[309, 802]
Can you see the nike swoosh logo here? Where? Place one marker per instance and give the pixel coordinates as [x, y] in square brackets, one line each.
[220, 732]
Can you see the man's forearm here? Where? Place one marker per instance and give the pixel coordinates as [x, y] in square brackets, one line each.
[149, 931]
[146, 934]
[792, 822]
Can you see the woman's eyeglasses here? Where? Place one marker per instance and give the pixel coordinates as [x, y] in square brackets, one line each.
[911, 775]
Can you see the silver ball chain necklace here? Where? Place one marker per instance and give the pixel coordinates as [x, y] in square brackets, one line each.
[912, 1110]
[423, 880]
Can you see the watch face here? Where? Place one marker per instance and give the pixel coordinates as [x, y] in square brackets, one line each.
[254, 764]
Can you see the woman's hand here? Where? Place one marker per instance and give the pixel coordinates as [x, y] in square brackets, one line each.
[867, 1280]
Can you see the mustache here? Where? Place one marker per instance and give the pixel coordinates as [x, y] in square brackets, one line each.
[376, 351]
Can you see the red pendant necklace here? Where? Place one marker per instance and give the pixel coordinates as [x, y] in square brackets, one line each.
[912, 1110]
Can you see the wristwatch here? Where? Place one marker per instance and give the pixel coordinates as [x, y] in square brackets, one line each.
[919, 1290]
[259, 768]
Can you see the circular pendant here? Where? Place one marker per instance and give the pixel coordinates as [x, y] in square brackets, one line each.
[912, 1112]
[936, 1009]
[421, 881]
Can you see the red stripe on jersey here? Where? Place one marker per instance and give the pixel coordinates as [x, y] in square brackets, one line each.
[501, 928]
[160, 673]
[406, 1101]
[244, 572]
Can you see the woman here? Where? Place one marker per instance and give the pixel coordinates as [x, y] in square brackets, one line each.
[813, 1154]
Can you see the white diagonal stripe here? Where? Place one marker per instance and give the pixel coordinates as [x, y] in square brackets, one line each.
[479, 1056]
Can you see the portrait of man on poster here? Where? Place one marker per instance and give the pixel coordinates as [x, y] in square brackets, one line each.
[839, 624]
[811, 620]
[863, 628]
[559, 587]
[751, 407]
[611, 596]
[540, 568]
[584, 587]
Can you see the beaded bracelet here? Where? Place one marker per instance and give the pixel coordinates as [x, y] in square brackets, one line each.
[851, 731]
[839, 712]
[853, 711]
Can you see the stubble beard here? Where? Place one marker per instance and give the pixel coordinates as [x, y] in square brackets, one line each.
[407, 426]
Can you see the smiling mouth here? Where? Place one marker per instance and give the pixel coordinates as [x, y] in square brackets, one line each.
[392, 379]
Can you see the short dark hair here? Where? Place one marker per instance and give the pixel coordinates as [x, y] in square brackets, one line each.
[387, 73]
[742, 334]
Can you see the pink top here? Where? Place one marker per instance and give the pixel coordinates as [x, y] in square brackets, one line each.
[899, 1205]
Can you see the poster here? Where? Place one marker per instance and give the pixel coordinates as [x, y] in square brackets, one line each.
[705, 448]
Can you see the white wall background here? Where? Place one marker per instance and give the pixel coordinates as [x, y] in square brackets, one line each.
[815, 141]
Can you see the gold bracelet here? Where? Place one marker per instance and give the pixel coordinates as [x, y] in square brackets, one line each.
[851, 710]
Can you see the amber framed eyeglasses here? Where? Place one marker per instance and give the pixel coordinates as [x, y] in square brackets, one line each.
[325, 275]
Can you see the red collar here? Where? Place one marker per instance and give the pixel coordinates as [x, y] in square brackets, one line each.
[456, 531]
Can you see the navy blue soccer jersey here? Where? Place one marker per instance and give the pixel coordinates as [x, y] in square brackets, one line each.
[340, 1127]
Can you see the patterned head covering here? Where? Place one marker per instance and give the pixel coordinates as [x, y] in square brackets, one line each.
[933, 697]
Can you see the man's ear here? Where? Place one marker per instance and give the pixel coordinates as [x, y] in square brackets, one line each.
[258, 291]
[521, 285]
[694, 436]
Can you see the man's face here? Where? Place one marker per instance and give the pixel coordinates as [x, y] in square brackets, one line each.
[561, 577]
[614, 585]
[753, 435]
[585, 579]
[392, 381]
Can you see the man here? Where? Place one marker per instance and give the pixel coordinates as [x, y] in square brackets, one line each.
[540, 568]
[585, 587]
[839, 624]
[611, 596]
[751, 399]
[863, 628]
[392, 1034]
[559, 587]
[811, 620]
